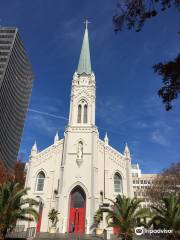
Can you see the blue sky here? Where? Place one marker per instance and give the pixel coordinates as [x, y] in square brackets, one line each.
[127, 106]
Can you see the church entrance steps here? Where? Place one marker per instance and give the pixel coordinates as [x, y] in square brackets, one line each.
[65, 236]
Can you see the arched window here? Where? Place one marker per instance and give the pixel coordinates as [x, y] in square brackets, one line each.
[79, 113]
[85, 114]
[40, 181]
[117, 182]
[78, 198]
[82, 113]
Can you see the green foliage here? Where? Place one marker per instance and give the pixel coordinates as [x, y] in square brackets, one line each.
[98, 217]
[167, 214]
[134, 13]
[125, 214]
[14, 206]
[170, 72]
[53, 217]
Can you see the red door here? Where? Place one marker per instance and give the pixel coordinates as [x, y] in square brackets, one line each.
[38, 226]
[77, 211]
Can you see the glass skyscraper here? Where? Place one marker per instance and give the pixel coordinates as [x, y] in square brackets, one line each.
[16, 80]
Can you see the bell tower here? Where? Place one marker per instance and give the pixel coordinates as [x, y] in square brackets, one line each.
[79, 158]
[82, 105]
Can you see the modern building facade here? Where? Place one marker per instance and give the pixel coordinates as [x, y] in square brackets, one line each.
[141, 182]
[16, 80]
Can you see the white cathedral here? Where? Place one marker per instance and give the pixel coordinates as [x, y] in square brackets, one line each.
[80, 172]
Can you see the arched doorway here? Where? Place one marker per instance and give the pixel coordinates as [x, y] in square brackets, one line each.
[77, 210]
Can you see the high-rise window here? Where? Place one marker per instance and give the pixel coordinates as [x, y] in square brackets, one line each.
[16, 78]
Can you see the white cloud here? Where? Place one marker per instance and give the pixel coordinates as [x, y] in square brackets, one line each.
[109, 110]
[159, 138]
[46, 122]
[48, 114]
[161, 133]
[141, 124]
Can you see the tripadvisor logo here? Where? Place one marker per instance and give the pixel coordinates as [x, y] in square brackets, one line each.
[141, 230]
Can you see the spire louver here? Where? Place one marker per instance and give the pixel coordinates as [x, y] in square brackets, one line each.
[84, 65]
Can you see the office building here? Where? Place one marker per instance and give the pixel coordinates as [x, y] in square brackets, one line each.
[16, 80]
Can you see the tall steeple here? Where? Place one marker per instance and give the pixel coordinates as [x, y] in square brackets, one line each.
[83, 91]
[84, 65]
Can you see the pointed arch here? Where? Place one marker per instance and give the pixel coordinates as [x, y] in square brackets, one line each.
[79, 113]
[78, 183]
[118, 187]
[77, 210]
[78, 197]
[85, 114]
[40, 181]
[82, 113]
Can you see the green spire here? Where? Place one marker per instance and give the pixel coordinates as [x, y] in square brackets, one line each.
[84, 65]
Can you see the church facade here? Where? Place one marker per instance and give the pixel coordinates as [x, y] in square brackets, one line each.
[79, 172]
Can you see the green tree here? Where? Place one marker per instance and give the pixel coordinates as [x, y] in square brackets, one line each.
[167, 215]
[98, 217]
[133, 14]
[125, 214]
[53, 216]
[14, 206]
[170, 72]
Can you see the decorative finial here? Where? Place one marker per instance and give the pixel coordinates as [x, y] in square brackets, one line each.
[34, 149]
[56, 138]
[34, 146]
[106, 139]
[127, 152]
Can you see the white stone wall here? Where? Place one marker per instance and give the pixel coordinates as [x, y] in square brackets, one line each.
[74, 175]
[114, 162]
[59, 161]
[47, 161]
[92, 169]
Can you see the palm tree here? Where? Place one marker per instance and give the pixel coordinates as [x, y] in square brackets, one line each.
[167, 214]
[13, 207]
[53, 216]
[98, 217]
[125, 214]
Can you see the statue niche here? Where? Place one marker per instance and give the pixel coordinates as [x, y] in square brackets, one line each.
[79, 159]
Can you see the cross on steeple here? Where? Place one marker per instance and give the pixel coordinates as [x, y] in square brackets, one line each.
[86, 22]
